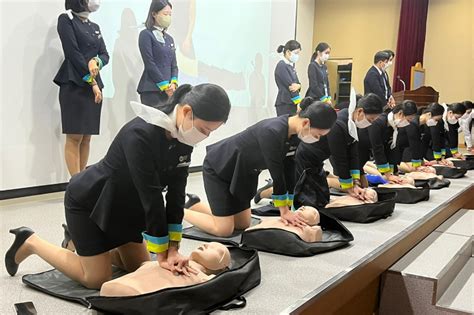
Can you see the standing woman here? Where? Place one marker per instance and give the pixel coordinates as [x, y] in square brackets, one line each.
[287, 80]
[160, 75]
[318, 74]
[116, 204]
[80, 86]
[231, 183]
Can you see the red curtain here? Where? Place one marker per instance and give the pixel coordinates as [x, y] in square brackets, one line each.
[411, 40]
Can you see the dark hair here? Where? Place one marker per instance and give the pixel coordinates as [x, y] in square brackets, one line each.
[320, 114]
[457, 108]
[434, 109]
[390, 53]
[155, 6]
[321, 47]
[371, 104]
[208, 101]
[77, 5]
[290, 45]
[407, 107]
[381, 56]
[468, 104]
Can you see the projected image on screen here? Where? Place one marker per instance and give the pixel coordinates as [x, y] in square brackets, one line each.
[227, 42]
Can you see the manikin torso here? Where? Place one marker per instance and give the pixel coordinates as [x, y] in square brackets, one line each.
[150, 277]
[310, 233]
[345, 201]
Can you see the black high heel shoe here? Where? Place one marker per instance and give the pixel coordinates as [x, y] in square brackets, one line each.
[192, 200]
[67, 242]
[257, 197]
[21, 234]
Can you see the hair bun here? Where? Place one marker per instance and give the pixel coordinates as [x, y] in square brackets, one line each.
[307, 101]
[280, 48]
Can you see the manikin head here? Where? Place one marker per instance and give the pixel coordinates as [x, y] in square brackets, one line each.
[310, 214]
[213, 256]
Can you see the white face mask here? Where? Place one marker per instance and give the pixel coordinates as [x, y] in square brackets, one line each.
[93, 5]
[192, 136]
[388, 65]
[294, 57]
[364, 123]
[309, 138]
[400, 123]
[452, 120]
[431, 122]
[324, 57]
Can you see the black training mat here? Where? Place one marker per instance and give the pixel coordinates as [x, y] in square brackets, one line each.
[407, 195]
[195, 233]
[278, 241]
[467, 164]
[368, 212]
[433, 183]
[450, 172]
[266, 211]
[243, 275]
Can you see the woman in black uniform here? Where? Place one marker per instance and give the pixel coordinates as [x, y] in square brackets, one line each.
[160, 76]
[318, 74]
[343, 140]
[80, 86]
[424, 127]
[287, 80]
[383, 140]
[116, 204]
[449, 130]
[231, 183]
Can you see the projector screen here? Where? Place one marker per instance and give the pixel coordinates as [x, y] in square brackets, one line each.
[231, 43]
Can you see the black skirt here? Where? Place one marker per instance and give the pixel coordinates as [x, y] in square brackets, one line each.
[79, 112]
[222, 202]
[86, 235]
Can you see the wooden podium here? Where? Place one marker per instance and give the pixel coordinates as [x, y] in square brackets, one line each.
[422, 96]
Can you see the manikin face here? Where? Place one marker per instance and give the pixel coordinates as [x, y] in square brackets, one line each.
[213, 256]
[310, 214]
[371, 195]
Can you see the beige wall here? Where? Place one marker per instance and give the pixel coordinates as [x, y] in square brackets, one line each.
[449, 49]
[304, 35]
[357, 29]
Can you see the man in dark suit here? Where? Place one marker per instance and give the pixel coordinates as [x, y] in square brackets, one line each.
[391, 100]
[374, 81]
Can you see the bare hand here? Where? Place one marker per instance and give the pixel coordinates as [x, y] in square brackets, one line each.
[459, 156]
[446, 163]
[394, 179]
[93, 68]
[179, 263]
[295, 87]
[357, 192]
[170, 90]
[294, 219]
[97, 94]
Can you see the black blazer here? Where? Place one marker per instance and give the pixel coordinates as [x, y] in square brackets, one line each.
[161, 68]
[124, 190]
[344, 151]
[387, 84]
[374, 83]
[264, 145]
[318, 81]
[285, 75]
[81, 41]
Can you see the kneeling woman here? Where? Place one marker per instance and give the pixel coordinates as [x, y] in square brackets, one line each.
[111, 203]
[232, 166]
